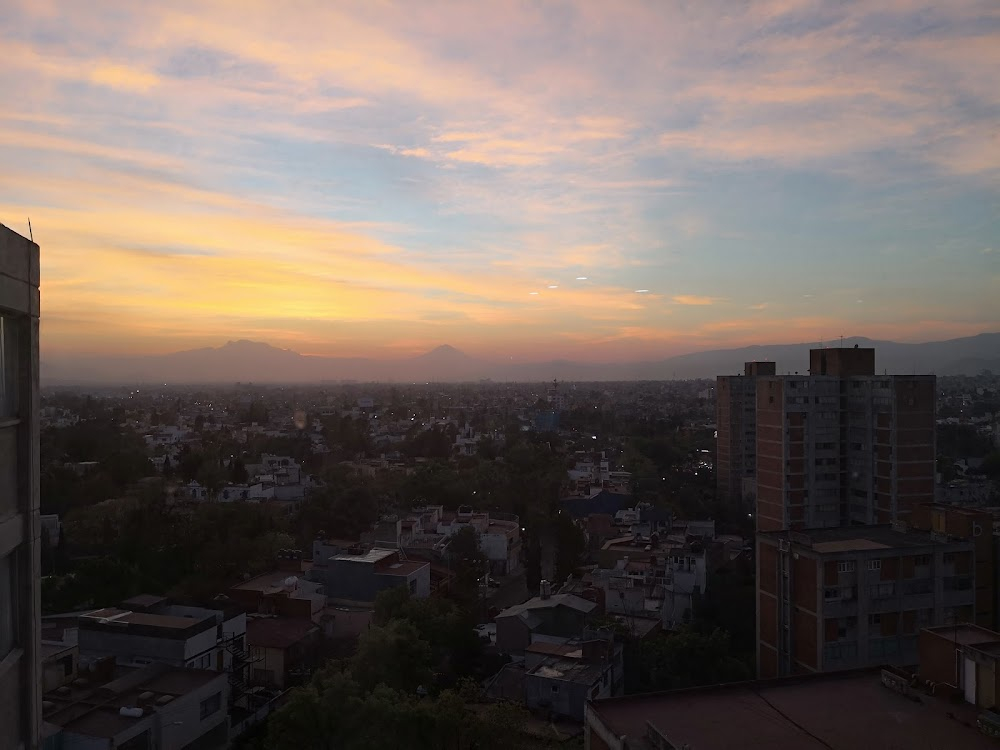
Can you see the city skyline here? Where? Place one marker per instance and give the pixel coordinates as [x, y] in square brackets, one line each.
[535, 181]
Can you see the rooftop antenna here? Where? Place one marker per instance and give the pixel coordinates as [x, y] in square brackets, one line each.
[31, 235]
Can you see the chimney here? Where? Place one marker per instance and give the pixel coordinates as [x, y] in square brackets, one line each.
[545, 590]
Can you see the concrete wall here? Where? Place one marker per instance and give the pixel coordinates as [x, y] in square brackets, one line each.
[71, 741]
[268, 660]
[125, 647]
[345, 579]
[596, 736]
[204, 642]
[54, 671]
[20, 525]
[187, 711]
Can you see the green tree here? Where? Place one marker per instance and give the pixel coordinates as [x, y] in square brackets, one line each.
[689, 658]
[468, 565]
[393, 655]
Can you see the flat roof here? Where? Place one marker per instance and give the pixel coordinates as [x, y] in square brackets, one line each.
[113, 614]
[93, 711]
[370, 557]
[568, 669]
[267, 581]
[859, 538]
[553, 649]
[838, 711]
[403, 568]
[965, 634]
[278, 632]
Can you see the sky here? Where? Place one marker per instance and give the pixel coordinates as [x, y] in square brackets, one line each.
[591, 180]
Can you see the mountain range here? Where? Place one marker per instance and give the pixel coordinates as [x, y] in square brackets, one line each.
[251, 361]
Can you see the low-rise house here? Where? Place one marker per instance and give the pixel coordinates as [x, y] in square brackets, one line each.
[156, 706]
[281, 592]
[147, 629]
[280, 649]
[357, 574]
[647, 577]
[545, 617]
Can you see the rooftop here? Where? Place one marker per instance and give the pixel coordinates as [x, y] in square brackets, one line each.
[555, 600]
[403, 568]
[114, 618]
[857, 539]
[270, 582]
[835, 711]
[965, 634]
[370, 557]
[569, 670]
[277, 632]
[94, 710]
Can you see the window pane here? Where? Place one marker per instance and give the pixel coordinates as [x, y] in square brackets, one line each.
[8, 471]
[8, 367]
[6, 606]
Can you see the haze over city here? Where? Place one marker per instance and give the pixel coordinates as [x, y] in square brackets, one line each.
[530, 181]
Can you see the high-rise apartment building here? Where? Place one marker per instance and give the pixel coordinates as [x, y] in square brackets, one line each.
[842, 445]
[20, 527]
[736, 441]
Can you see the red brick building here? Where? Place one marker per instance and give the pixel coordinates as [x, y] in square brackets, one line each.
[736, 441]
[840, 598]
[977, 527]
[843, 445]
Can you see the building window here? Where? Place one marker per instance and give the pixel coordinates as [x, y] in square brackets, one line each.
[67, 665]
[874, 565]
[413, 586]
[7, 605]
[829, 594]
[846, 566]
[210, 705]
[8, 367]
[555, 688]
[922, 560]
[949, 558]
[139, 742]
[875, 619]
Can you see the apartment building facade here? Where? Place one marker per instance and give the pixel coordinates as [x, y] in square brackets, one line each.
[20, 526]
[843, 598]
[842, 445]
[736, 441]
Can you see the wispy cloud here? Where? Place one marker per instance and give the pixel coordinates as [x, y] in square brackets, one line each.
[693, 299]
[358, 173]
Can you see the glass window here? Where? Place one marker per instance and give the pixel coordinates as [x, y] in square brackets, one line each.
[6, 605]
[210, 705]
[8, 367]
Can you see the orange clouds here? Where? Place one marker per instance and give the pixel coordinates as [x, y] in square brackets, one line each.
[692, 299]
[352, 177]
[123, 77]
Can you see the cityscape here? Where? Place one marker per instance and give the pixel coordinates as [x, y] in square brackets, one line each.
[468, 376]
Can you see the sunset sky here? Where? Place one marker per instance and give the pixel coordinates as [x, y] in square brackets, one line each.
[376, 178]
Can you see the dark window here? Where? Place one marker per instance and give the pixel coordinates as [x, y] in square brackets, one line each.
[67, 665]
[8, 634]
[210, 705]
[139, 742]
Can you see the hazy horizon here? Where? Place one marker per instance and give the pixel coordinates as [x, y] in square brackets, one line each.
[234, 360]
[543, 180]
[493, 356]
